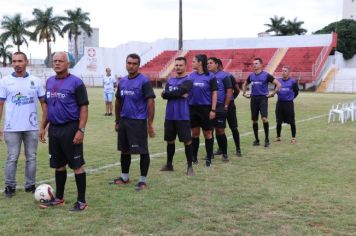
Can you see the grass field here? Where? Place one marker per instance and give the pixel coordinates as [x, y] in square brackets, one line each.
[303, 189]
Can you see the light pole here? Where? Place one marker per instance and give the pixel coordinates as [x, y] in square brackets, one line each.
[180, 40]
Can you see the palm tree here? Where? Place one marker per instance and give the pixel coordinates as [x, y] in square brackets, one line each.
[15, 29]
[77, 23]
[276, 25]
[295, 27]
[46, 26]
[5, 53]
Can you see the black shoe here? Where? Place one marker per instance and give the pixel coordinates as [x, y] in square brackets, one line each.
[79, 206]
[256, 143]
[195, 161]
[207, 163]
[9, 191]
[30, 189]
[238, 153]
[167, 168]
[218, 152]
[266, 143]
[106, 114]
[110, 114]
[225, 158]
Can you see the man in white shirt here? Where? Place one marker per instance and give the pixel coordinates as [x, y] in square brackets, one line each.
[20, 92]
[109, 83]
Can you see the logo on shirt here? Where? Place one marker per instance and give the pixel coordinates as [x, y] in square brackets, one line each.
[285, 89]
[172, 88]
[127, 93]
[55, 95]
[256, 82]
[199, 84]
[20, 99]
[33, 119]
[32, 85]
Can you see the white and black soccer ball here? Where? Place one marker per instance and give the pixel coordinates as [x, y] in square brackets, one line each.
[44, 193]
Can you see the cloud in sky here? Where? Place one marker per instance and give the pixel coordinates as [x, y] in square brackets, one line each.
[147, 20]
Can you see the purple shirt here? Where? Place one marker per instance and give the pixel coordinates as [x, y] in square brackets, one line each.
[133, 94]
[177, 106]
[64, 97]
[203, 85]
[259, 83]
[287, 91]
[223, 80]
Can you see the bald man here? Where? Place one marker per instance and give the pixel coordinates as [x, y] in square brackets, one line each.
[67, 106]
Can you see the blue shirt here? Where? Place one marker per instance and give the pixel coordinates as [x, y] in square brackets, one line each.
[259, 83]
[64, 97]
[289, 89]
[203, 85]
[133, 94]
[177, 106]
[223, 80]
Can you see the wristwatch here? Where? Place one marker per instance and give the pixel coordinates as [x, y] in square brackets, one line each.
[82, 130]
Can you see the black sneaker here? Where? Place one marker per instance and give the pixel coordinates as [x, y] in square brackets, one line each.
[207, 163]
[141, 186]
[79, 206]
[167, 168]
[225, 158]
[52, 203]
[30, 189]
[266, 143]
[256, 143]
[218, 152]
[238, 153]
[9, 191]
[120, 181]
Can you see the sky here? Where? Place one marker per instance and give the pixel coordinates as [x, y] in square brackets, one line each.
[121, 21]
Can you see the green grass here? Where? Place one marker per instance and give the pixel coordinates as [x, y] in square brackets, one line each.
[302, 189]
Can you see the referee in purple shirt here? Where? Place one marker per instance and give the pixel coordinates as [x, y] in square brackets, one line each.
[285, 105]
[134, 113]
[259, 81]
[177, 120]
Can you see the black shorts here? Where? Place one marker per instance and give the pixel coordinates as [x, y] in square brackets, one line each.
[220, 117]
[199, 117]
[231, 116]
[172, 128]
[285, 112]
[132, 136]
[259, 104]
[62, 151]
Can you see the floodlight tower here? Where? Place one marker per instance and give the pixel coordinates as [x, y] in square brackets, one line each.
[180, 40]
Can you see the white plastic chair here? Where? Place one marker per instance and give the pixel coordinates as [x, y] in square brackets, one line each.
[350, 110]
[337, 110]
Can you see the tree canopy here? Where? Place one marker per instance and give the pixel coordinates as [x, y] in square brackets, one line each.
[282, 27]
[346, 31]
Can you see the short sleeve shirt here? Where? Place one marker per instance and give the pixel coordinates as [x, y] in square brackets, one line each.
[21, 95]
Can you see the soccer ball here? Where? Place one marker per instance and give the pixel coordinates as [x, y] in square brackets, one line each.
[44, 193]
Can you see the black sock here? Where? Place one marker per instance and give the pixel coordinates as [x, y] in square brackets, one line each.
[279, 129]
[171, 148]
[61, 178]
[195, 148]
[266, 128]
[125, 163]
[144, 164]
[255, 130]
[293, 129]
[209, 146]
[189, 154]
[236, 136]
[222, 141]
[81, 182]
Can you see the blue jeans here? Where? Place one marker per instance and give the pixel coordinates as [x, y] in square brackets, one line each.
[13, 141]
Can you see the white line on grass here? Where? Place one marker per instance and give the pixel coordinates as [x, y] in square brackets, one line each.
[152, 156]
